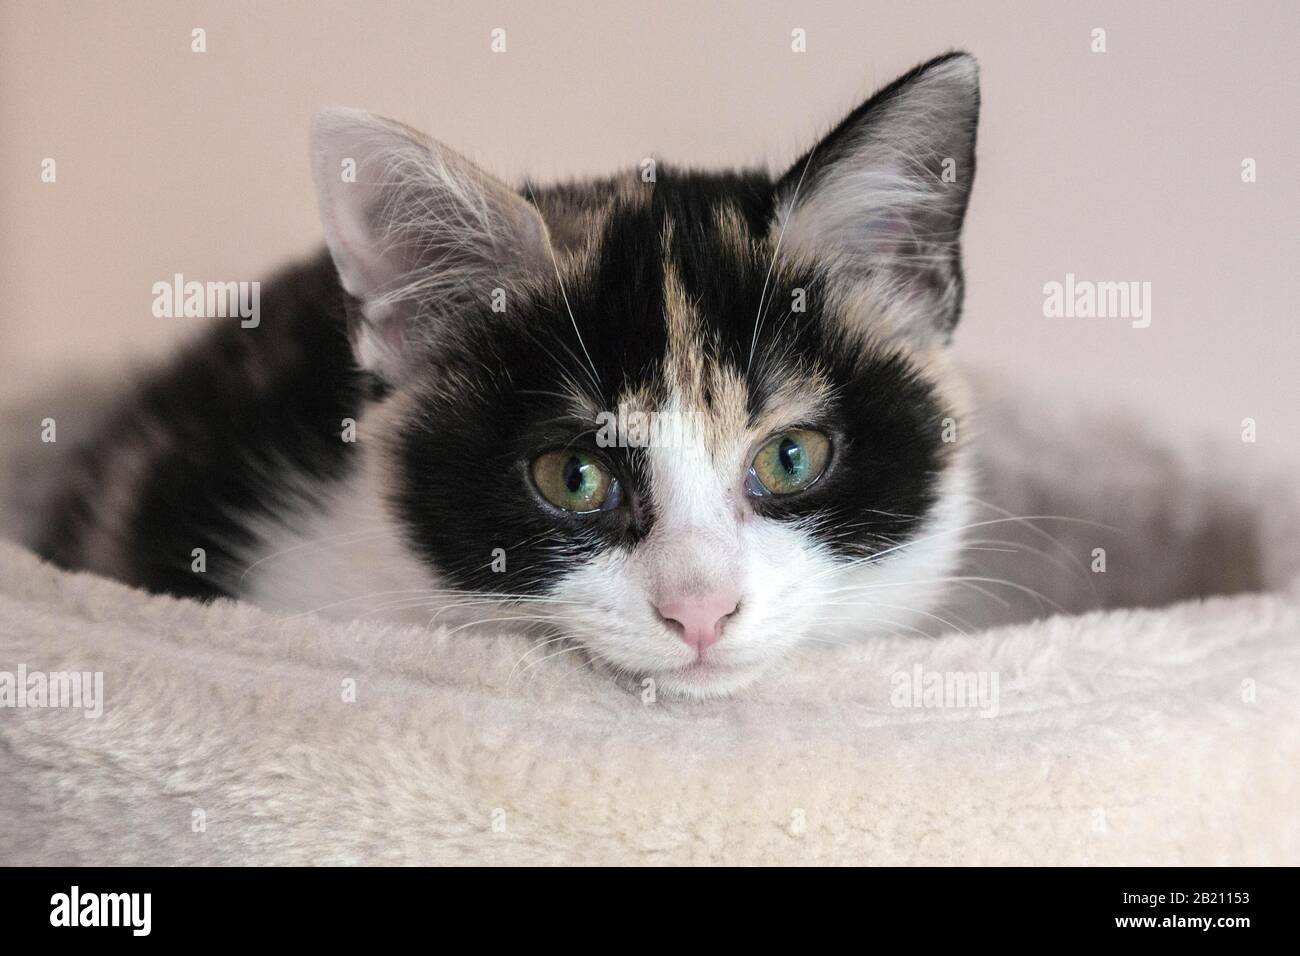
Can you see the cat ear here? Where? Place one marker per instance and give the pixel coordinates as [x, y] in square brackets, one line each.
[880, 201]
[418, 233]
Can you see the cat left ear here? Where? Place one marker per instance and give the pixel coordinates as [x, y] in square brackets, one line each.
[419, 234]
[880, 201]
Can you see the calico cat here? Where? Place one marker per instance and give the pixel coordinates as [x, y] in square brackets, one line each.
[436, 418]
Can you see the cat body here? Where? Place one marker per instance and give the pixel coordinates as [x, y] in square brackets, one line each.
[430, 421]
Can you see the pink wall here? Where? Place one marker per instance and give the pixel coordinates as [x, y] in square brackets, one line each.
[1123, 165]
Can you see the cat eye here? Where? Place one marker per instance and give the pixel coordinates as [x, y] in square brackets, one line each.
[575, 481]
[788, 463]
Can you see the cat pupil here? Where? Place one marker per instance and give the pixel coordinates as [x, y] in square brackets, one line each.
[573, 477]
[790, 455]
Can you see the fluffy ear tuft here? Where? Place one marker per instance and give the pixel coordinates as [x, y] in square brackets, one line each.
[418, 233]
[880, 201]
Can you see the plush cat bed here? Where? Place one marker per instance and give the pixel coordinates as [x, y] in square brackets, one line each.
[1165, 735]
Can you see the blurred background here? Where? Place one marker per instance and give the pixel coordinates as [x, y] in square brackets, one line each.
[1117, 166]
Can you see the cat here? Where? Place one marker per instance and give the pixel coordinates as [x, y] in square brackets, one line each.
[431, 419]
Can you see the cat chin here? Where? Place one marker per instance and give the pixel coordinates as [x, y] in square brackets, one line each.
[698, 681]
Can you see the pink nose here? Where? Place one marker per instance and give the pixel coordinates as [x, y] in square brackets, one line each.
[699, 619]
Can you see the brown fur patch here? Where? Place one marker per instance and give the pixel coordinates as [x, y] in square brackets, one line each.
[576, 214]
[734, 235]
[716, 396]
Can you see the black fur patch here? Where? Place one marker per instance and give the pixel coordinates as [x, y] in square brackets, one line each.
[463, 461]
[214, 438]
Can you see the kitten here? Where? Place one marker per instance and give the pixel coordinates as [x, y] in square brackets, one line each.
[501, 356]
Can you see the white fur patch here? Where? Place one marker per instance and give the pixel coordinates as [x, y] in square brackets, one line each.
[343, 555]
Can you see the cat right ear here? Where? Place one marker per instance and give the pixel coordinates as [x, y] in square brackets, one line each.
[419, 234]
[881, 200]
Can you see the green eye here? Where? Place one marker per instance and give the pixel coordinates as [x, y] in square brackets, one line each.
[789, 462]
[575, 481]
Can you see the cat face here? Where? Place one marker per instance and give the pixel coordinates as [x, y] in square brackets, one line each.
[690, 422]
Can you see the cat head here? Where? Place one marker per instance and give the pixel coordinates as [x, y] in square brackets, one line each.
[687, 419]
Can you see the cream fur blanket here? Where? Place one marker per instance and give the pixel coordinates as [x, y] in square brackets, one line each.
[1169, 735]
